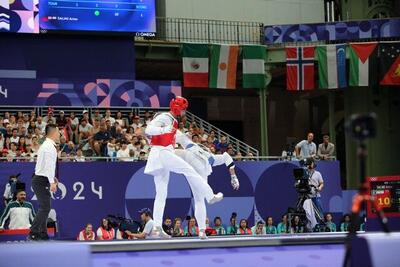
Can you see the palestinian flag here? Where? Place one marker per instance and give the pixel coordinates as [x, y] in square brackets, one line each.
[254, 57]
[195, 65]
[363, 64]
[390, 63]
[223, 66]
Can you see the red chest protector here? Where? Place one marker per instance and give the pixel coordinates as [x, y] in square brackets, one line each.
[165, 139]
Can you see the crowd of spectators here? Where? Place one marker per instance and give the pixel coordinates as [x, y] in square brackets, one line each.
[100, 134]
[188, 228]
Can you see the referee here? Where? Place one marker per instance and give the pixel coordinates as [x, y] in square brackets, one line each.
[44, 181]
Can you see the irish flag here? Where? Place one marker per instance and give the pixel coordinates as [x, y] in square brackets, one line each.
[363, 65]
[223, 66]
[195, 65]
[254, 57]
[332, 66]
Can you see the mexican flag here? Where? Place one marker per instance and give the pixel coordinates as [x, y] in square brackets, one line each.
[363, 63]
[332, 66]
[223, 66]
[254, 57]
[195, 65]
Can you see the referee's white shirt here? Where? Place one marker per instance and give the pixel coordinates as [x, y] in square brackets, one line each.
[46, 160]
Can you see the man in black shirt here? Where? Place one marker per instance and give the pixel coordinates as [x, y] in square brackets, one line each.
[100, 140]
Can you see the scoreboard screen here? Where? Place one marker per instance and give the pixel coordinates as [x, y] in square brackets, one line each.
[386, 190]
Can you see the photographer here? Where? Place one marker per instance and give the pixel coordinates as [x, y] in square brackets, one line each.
[145, 215]
[10, 189]
[317, 183]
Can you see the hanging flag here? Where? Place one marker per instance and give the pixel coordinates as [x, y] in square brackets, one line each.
[223, 66]
[390, 63]
[195, 65]
[332, 66]
[363, 65]
[300, 68]
[254, 57]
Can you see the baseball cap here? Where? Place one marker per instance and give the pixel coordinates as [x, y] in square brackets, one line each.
[61, 111]
[85, 111]
[6, 121]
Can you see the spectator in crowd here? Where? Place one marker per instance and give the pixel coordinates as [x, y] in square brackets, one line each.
[238, 156]
[79, 156]
[209, 229]
[168, 227]
[14, 138]
[218, 226]
[230, 151]
[192, 229]
[130, 133]
[22, 144]
[306, 148]
[85, 116]
[345, 225]
[26, 120]
[63, 143]
[13, 152]
[244, 228]
[258, 229]
[84, 130]
[2, 141]
[136, 123]
[178, 231]
[49, 119]
[87, 234]
[195, 139]
[123, 153]
[105, 231]
[329, 223]
[61, 120]
[20, 212]
[40, 124]
[222, 145]
[148, 116]
[69, 148]
[145, 215]
[121, 121]
[270, 228]
[131, 115]
[109, 118]
[100, 141]
[96, 115]
[35, 144]
[112, 148]
[282, 226]
[296, 225]
[233, 227]
[326, 150]
[142, 155]
[31, 127]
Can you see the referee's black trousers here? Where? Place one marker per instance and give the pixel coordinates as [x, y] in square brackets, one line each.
[41, 188]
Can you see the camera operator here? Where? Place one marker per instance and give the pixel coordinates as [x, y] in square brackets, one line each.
[10, 189]
[145, 215]
[317, 183]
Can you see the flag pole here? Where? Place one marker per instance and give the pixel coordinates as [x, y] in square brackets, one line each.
[263, 96]
[331, 112]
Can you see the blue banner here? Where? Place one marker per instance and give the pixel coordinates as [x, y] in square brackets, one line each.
[332, 31]
[90, 191]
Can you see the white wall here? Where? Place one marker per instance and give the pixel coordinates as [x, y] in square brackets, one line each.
[269, 12]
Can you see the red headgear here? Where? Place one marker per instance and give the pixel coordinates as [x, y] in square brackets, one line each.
[178, 104]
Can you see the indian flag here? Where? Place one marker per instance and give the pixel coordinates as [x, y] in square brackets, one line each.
[254, 57]
[363, 65]
[223, 66]
[195, 65]
[332, 66]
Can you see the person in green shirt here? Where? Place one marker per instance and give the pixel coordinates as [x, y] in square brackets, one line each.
[270, 228]
[329, 223]
[282, 226]
[233, 227]
[296, 225]
[218, 226]
[344, 226]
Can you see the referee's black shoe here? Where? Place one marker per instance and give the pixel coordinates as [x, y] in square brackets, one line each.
[44, 236]
[33, 237]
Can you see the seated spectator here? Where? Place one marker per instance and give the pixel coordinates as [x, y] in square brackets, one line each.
[238, 156]
[109, 118]
[2, 141]
[148, 116]
[85, 129]
[64, 157]
[244, 228]
[69, 149]
[13, 151]
[101, 139]
[209, 230]
[142, 155]
[61, 120]
[282, 226]
[258, 229]
[136, 123]
[22, 144]
[178, 231]
[20, 212]
[233, 227]
[326, 150]
[329, 223]
[120, 119]
[145, 215]
[79, 156]
[345, 225]
[40, 124]
[112, 148]
[270, 228]
[222, 145]
[62, 144]
[296, 226]
[168, 227]
[195, 139]
[105, 231]
[29, 153]
[230, 151]
[218, 226]
[306, 148]
[123, 153]
[96, 115]
[14, 138]
[87, 234]
[192, 229]
[35, 144]
[49, 118]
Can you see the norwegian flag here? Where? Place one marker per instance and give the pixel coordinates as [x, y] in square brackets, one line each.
[300, 68]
